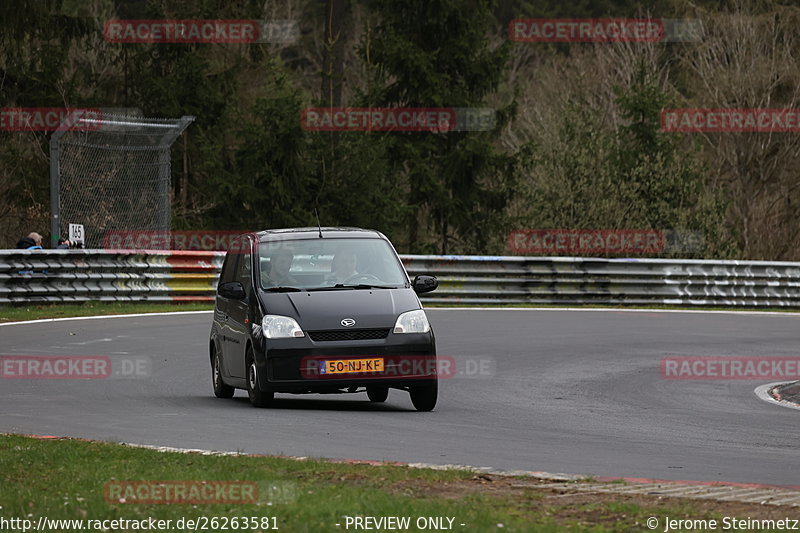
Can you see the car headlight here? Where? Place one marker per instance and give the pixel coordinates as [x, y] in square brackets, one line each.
[412, 322]
[280, 327]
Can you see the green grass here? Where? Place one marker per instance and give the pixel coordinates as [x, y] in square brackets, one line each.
[34, 311]
[65, 479]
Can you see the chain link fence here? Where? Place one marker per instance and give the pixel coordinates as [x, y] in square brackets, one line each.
[112, 172]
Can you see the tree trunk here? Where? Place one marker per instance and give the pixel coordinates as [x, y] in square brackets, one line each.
[334, 48]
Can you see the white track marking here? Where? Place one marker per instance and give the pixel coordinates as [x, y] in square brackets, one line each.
[625, 310]
[98, 317]
[595, 310]
[762, 391]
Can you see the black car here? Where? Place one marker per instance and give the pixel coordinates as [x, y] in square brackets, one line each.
[321, 310]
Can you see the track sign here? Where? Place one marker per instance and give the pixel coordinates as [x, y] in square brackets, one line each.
[76, 233]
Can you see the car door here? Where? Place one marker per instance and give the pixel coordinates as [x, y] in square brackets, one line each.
[222, 311]
[239, 313]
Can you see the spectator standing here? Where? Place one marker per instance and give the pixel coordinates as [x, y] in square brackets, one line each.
[32, 242]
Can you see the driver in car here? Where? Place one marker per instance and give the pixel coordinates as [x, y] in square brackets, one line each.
[343, 267]
[279, 275]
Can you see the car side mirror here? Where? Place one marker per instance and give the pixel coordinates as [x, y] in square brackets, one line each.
[232, 289]
[425, 283]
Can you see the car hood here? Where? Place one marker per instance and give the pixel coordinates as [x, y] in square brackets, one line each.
[375, 308]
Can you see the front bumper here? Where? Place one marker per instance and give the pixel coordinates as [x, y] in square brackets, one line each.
[293, 365]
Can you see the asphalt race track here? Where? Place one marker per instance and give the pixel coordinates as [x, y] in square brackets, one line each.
[570, 391]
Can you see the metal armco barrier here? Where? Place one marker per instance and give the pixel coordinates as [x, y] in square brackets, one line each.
[119, 275]
[107, 275]
[571, 280]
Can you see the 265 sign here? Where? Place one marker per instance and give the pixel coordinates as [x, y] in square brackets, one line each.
[76, 233]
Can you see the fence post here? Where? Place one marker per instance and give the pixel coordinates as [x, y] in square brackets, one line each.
[55, 184]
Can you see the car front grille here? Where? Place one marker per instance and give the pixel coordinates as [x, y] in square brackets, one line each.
[348, 335]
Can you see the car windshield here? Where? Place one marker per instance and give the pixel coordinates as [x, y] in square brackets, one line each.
[329, 264]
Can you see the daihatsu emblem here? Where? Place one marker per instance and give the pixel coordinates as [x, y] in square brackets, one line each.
[348, 322]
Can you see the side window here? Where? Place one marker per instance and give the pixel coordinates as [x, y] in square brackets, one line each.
[228, 267]
[243, 274]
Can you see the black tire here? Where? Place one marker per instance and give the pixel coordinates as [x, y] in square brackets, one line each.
[377, 394]
[221, 390]
[424, 396]
[258, 397]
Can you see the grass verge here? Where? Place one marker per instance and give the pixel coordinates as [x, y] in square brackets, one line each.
[67, 480]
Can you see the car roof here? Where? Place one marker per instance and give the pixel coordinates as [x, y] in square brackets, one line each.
[284, 234]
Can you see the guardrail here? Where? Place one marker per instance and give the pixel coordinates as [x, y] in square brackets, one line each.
[571, 280]
[119, 275]
[108, 275]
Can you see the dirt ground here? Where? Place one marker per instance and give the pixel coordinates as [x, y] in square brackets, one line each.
[610, 510]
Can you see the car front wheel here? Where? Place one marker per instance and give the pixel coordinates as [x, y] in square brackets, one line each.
[424, 396]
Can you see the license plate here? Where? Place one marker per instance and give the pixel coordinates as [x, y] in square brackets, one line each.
[351, 366]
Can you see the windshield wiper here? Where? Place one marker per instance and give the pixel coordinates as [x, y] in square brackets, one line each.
[340, 286]
[283, 289]
[365, 286]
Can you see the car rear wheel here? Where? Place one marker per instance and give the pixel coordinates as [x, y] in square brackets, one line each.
[258, 397]
[424, 396]
[377, 394]
[221, 390]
